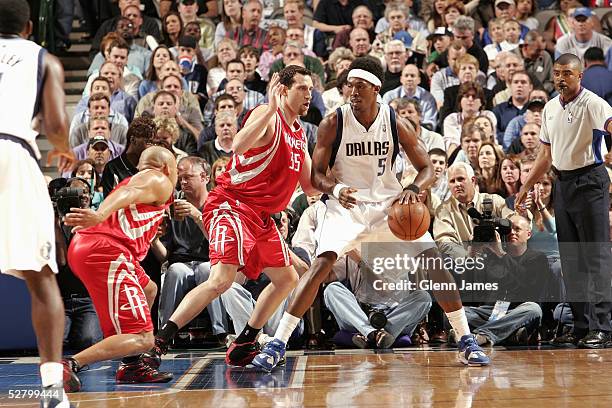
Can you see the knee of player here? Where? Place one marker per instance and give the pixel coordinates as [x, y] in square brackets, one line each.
[221, 285]
[292, 278]
[146, 340]
[321, 267]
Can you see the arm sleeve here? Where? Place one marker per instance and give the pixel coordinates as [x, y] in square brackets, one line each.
[601, 114]
[544, 135]
[320, 14]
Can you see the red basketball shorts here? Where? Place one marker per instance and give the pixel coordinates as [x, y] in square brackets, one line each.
[115, 282]
[238, 235]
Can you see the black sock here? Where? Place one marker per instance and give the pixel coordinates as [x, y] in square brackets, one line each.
[372, 336]
[168, 332]
[130, 359]
[248, 335]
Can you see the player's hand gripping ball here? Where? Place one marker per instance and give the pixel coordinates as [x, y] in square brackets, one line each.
[408, 221]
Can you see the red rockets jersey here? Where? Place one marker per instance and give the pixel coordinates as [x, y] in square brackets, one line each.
[265, 177]
[134, 227]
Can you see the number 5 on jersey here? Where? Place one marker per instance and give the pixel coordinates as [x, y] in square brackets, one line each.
[382, 164]
[295, 162]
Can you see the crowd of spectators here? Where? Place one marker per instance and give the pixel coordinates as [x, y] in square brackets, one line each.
[472, 78]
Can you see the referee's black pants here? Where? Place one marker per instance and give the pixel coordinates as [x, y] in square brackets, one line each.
[581, 202]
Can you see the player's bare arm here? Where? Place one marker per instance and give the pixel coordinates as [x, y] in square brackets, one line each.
[419, 159]
[320, 163]
[305, 181]
[540, 167]
[54, 117]
[149, 187]
[259, 127]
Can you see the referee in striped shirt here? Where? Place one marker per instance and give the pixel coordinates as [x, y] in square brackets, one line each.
[574, 125]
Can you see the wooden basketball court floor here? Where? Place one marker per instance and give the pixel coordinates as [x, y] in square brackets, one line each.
[411, 377]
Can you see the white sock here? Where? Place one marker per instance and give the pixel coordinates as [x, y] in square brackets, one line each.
[286, 326]
[263, 339]
[51, 374]
[458, 320]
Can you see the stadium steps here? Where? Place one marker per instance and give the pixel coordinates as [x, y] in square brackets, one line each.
[76, 62]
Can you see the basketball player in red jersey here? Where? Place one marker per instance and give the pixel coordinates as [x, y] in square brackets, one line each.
[104, 254]
[270, 158]
[360, 186]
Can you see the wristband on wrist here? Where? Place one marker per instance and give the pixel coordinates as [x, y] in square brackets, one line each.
[414, 188]
[337, 188]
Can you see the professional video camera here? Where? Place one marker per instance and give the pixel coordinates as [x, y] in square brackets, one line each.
[487, 224]
[64, 198]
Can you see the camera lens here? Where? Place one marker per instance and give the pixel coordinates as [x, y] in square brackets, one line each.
[377, 319]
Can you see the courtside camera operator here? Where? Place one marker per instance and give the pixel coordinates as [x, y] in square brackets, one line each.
[82, 328]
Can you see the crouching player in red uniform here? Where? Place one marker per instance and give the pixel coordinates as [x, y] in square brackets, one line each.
[270, 158]
[104, 254]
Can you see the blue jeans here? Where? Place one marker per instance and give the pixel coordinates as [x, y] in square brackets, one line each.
[178, 280]
[81, 327]
[402, 318]
[526, 314]
[240, 305]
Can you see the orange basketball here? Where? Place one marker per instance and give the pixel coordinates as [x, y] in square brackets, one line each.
[408, 221]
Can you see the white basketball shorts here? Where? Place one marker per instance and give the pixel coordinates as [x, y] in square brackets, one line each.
[27, 235]
[342, 229]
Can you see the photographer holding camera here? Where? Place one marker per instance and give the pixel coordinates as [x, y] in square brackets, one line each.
[454, 223]
[81, 328]
[511, 313]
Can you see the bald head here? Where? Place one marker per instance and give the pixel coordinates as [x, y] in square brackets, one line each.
[156, 157]
[570, 60]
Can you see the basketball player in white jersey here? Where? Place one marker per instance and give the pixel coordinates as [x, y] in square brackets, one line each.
[358, 144]
[31, 87]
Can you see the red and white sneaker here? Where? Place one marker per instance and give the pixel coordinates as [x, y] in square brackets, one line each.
[139, 372]
[71, 381]
[242, 354]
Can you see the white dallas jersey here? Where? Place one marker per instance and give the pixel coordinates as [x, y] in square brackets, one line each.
[364, 158]
[21, 77]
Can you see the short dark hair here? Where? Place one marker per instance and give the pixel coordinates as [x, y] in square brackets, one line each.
[249, 49]
[142, 126]
[594, 54]
[235, 61]
[438, 152]
[14, 17]
[102, 79]
[98, 97]
[287, 74]
[569, 59]
[466, 87]
[370, 64]
[223, 97]
[162, 92]
[121, 44]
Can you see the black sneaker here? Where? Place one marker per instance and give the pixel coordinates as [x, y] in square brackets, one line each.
[595, 339]
[241, 354]
[567, 340]
[152, 358]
